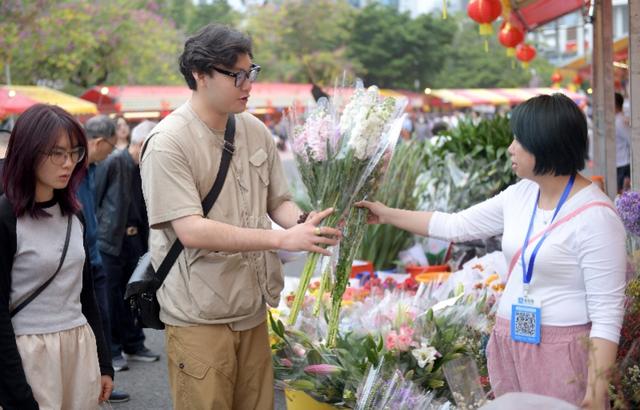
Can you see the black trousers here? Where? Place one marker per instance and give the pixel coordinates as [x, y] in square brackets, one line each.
[125, 335]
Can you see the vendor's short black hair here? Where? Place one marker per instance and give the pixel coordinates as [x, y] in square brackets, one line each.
[213, 45]
[554, 130]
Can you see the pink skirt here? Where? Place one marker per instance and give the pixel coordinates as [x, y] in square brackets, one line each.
[557, 367]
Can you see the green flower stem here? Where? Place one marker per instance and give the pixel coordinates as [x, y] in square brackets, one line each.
[324, 285]
[334, 321]
[355, 228]
[307, 272]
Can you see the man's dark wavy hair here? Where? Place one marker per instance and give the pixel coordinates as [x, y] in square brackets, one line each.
[213, 45]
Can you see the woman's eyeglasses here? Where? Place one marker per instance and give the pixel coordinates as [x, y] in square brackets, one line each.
[59, 156]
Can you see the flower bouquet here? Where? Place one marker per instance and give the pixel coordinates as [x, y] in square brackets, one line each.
[338, 152]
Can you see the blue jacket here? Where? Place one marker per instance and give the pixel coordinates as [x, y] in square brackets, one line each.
[87, 197]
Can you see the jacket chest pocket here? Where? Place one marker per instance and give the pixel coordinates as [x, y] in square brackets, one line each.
[260, 165]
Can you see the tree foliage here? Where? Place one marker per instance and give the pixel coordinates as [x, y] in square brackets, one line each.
[302, 40]
[190, 16]
[396, 51]
[75, 44]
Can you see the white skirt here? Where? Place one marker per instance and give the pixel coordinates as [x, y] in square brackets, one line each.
[62, 368]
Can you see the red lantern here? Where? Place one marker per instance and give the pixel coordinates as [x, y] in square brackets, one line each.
[577, 79]
[510, 36]
[484, 12]
[556, 79]
[525, 53]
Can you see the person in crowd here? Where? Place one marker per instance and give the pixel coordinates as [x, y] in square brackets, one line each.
[53, 354]
[422, 128]
[101, 139]
[122, 239]
[407, 127]
[123, 133]
[439, 127]
[623, 146]
[213, 301]
[565, 286]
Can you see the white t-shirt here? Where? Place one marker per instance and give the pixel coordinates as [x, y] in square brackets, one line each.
[579, 273]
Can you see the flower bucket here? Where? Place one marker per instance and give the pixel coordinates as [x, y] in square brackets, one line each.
[299, 400]
[415, 270]
[428, 277]
[361, 267]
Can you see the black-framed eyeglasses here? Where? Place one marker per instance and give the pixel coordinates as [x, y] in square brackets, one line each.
[241, 75]
[59, 156]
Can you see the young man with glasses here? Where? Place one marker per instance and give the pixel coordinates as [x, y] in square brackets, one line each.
[213, 301]
[101, 139]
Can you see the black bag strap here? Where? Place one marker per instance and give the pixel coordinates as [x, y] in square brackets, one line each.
[44, 285]
[209, 200]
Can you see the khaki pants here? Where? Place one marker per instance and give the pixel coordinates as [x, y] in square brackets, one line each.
[62, 368]
[212, 367]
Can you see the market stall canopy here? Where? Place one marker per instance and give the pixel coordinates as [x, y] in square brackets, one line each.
[158, 101]
[143, 101]
[155, 101]
[582, 65]
[536, 13]
[470, 97]
[13, 103]
[415, 100]
[45, 95]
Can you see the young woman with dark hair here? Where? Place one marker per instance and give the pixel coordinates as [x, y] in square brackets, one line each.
[52, 350]
[566, 286]
[123, 133]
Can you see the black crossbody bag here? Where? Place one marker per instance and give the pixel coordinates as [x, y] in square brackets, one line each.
[145, 281]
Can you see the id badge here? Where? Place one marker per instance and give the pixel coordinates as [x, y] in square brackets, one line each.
[525, 321]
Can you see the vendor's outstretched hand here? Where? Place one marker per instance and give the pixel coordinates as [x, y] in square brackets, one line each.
[377, 211]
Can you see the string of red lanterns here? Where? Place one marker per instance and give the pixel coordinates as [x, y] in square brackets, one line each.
[511, 36]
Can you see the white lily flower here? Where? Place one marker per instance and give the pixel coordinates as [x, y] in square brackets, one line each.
[425, 354]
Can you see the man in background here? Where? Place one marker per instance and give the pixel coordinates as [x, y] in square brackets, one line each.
[122, 239]
[101, 141]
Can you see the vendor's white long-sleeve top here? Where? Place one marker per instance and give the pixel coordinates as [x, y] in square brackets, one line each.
[579, 273]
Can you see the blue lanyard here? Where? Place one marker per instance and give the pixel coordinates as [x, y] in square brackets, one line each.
[527, 273]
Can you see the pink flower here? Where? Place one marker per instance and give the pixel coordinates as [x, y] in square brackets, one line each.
[402, 341]
[391, 340]
[311, 138]
[322, 369]
[299, 350]
[286, 362]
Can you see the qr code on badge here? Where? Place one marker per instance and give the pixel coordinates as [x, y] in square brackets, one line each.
[525, 324]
